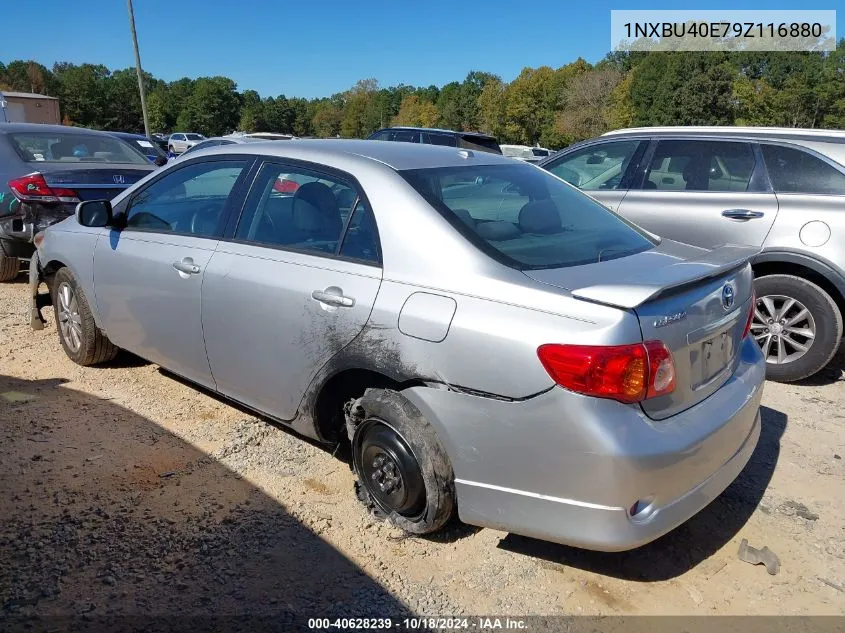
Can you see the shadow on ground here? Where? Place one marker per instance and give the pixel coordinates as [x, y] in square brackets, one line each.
[106, 517]
[689, 544]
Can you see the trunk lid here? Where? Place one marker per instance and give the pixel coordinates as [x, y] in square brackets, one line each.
[94, 182]
[694, 300]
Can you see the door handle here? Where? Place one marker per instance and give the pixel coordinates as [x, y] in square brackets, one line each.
[333, 296]
[187, 266]
[742, 214]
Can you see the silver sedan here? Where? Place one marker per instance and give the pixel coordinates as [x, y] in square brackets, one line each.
[487, 339]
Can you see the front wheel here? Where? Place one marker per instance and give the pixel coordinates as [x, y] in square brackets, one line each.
[404, 475]
[797, 325]
[81, 339]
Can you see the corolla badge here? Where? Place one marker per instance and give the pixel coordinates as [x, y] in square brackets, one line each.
[728, 297]
[119, 179]
[670, 318]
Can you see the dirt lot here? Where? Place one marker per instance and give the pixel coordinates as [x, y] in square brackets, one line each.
[127, 491]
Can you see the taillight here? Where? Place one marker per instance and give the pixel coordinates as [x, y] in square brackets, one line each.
[750, 318]
[34, 188]
[628, 373]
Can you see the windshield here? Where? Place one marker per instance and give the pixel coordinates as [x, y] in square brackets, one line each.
[525, 217]
[75, 148]
[194, 137]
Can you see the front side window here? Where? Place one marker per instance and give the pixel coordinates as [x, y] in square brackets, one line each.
[405, 136]
[189, 200]
[795, 171]
[194, 137]
[525, 217]
[701, 165]
[59, 147]
[596, 167]
[306, 210]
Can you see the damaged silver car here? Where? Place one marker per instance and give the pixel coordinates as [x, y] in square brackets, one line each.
[488, 341]
[45, 170]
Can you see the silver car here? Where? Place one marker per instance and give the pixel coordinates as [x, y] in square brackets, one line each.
[488, 339]
[179, 142]
[779, 190]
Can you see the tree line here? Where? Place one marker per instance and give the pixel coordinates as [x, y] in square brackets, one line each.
[546, 106]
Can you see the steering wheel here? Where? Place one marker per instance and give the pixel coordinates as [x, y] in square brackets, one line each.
[201, 216]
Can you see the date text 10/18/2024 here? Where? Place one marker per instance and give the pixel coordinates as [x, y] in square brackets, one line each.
[420, 623]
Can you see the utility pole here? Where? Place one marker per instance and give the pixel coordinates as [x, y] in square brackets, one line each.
[138, 69]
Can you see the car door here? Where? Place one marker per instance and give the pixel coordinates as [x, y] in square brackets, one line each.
[148, 276]
[704, 192]
[603, 169]
[293, 286]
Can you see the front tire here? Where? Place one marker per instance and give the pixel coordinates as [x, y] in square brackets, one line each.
[797, 324]
[81, 339]
[9, 266]
[403, 472]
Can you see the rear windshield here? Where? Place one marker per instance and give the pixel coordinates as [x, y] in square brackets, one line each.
[148, 148]
[480, 143]
[525, 217]
[58, 147]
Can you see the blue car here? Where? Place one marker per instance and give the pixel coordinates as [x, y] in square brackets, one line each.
[147, 147]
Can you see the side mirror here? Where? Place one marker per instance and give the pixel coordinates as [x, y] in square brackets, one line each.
[160, 161]
[94, 213]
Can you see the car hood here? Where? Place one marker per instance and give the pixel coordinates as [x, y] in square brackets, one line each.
[628, 282]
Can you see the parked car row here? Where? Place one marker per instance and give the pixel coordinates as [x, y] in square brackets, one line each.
[589, 327]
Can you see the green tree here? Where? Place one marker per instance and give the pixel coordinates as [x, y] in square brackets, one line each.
[416, 112]
[491, 107]
[213, 107]
[84, 95]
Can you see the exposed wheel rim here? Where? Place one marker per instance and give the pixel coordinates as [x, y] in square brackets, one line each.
[70, 323]
[783, 327]
[388, 469]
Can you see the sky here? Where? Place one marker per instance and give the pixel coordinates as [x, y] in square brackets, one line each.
[319, 47]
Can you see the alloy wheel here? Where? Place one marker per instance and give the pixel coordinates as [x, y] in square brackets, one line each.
[70, 323]
[783, 327]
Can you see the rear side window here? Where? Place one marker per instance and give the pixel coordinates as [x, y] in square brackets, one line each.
[384, 135]
[525, 217]
[795, 171]
[304, 210]
[438, 138]
[480, 143]
[596, 167]
[701, 165]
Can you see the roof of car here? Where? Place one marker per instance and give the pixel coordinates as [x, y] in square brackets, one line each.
[436, 129]
[43, 127]
[746, 131]
[132, 135]
[398, 156]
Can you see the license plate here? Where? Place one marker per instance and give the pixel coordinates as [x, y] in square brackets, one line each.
[716, 353]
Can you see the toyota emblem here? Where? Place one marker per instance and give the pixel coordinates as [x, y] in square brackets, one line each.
[728, 297]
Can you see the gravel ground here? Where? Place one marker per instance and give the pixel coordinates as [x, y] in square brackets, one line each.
[125, 491]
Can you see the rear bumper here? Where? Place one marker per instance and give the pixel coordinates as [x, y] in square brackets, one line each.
[566, 468]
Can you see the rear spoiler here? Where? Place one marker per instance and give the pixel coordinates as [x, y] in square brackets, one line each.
[667, 279]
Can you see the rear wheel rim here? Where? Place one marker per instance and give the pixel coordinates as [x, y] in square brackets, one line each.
[70, 322]
[389, 470]
[783, 327]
